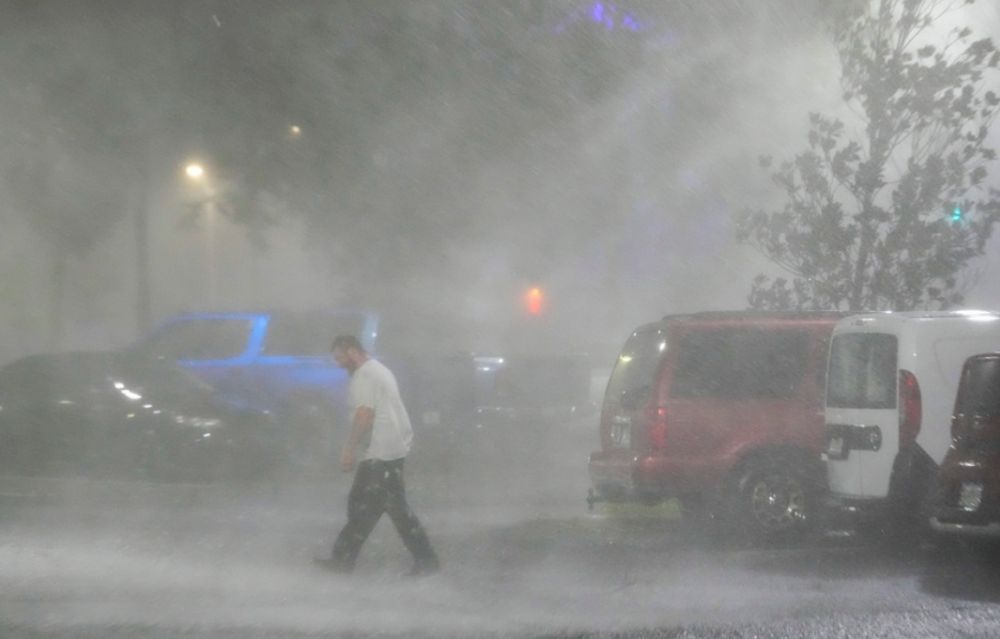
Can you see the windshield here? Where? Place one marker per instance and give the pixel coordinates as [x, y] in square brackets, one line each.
[862, 371]
[979, 390]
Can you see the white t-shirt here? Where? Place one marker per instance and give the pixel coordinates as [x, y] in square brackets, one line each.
[373, 385]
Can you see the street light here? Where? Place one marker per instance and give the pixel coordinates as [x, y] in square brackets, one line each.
[194, 171]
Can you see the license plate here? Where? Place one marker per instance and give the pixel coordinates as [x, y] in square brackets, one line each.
[835, 447]
[971, 496]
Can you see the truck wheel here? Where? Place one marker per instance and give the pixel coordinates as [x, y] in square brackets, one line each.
[774, 500]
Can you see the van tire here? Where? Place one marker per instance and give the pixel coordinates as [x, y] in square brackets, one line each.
[773, 500]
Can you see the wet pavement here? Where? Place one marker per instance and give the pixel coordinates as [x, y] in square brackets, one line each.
[522, 558]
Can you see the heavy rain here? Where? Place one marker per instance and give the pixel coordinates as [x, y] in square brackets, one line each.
[691, 307]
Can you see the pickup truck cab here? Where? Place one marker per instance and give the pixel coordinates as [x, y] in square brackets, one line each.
[280, 362]
[275, 361]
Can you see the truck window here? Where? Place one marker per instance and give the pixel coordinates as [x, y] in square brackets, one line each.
[862, 371]
[979, 391]
[200, 339]
[637, 363]
[310, 335]
[740, 364]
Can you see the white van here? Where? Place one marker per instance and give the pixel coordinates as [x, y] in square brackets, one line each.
[891, 388]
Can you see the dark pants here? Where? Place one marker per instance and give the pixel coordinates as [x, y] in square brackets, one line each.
[378, 488]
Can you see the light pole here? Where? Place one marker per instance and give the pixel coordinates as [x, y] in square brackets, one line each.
[140, 229]
[197, 174]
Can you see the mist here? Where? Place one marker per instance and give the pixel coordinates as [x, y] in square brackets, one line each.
[422, 159]
[619, 201]
[615, 198]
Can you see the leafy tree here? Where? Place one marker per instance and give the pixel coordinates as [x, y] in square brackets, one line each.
[890, 217]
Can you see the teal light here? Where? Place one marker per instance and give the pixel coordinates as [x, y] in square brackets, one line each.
[956, 214]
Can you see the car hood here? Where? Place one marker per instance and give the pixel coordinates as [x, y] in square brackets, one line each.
[121, 376]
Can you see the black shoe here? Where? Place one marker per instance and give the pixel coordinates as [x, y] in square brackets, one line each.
[423, 569]
[332, 565]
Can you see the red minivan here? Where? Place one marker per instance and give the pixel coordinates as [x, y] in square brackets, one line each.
[724, 411]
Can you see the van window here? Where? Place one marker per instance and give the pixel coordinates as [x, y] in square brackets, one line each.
[979, 392]
[740, 363]
[862, 371]
[638, 362]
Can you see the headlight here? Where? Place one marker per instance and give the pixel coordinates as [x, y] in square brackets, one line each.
[206, 423]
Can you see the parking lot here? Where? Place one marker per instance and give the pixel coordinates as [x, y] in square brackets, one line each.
[522, 557]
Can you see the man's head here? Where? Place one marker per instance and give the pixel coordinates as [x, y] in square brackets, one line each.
[348, 352]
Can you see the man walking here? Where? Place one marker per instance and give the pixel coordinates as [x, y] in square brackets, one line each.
[382, 434]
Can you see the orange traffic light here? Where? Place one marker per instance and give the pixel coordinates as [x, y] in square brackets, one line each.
[534, 301]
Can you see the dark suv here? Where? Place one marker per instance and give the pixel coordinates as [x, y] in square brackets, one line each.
[724, 411]
[967, 501]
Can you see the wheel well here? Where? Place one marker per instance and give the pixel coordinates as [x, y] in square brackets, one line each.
[808, 461]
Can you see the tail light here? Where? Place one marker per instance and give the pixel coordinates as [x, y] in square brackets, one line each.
[910, 411]
[657, 419]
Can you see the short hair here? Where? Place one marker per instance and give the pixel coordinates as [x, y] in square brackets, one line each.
[345, 342]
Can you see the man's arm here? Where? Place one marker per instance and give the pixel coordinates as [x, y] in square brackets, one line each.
[361, 427]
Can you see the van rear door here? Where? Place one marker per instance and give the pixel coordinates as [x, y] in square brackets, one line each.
[629, 389]
[862, 416]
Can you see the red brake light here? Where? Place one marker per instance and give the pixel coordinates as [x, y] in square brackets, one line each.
[910, 411]
[534, 301]
[657, 426]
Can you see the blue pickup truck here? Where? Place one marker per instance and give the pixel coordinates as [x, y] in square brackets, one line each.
[280, 362]
[272, 361]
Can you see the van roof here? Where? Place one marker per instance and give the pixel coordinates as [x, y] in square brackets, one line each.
[754, 317]
[890, 318]
[751, 314]
[983, 356]
[747, 317]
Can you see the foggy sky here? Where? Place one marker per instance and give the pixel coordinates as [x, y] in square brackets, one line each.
[667, 171]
